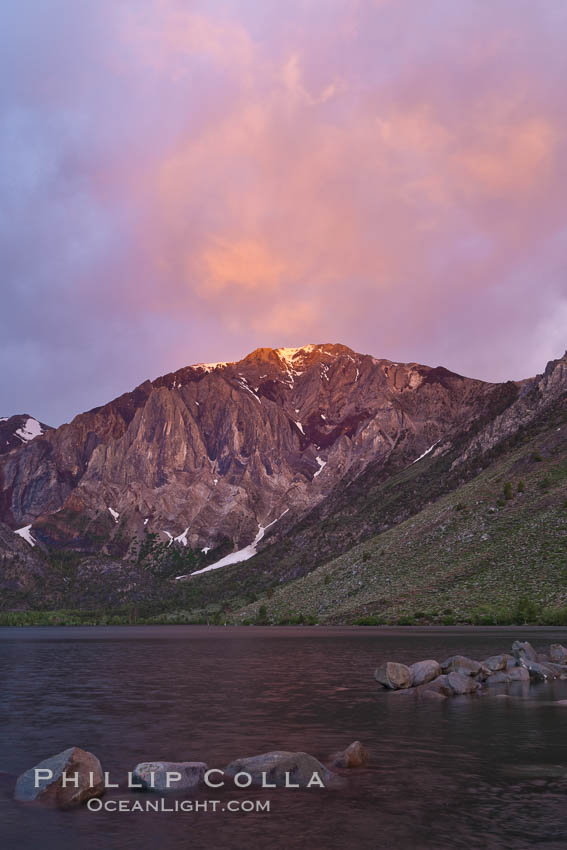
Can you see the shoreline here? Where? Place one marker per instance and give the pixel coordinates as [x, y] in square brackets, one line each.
[299, 629]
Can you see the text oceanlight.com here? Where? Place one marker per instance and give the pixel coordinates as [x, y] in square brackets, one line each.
[162, 805]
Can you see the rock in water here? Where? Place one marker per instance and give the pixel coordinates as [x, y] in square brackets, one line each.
[283, 769]
[461, 664]
[506, 677]
[460, 684]
[355, 755]
[438, 688]
[523, 649]
[497, 662]
[169, 777]
[558, 653]
[541, 672]
[393, 675]
[79, 769]
[424, 671]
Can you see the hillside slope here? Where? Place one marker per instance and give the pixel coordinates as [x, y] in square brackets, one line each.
[494, 545]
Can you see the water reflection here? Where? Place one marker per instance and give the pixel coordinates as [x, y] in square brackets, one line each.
[452, 775]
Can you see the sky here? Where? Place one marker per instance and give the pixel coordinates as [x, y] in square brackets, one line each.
[183, 181]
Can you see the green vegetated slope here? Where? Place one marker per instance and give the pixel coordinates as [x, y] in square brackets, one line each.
[494, 550]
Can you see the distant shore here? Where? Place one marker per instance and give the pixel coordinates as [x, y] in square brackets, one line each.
[57, 619]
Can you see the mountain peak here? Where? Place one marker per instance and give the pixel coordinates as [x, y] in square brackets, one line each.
[291, 357]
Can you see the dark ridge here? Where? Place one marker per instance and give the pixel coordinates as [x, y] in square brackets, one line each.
[438, 375]
[125, 405]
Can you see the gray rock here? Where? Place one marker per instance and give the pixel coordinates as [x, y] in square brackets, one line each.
[539, 672]
[523, 649]
[560, 670]
[558, 653]
[460, 684]
[424, 671]
[464, 666]
[169, 777]
[439, 686]
[394, 676]
[433, 696]
[74, 766]
[497, 662]
[506, 677]
[283, 769]
[355, 755]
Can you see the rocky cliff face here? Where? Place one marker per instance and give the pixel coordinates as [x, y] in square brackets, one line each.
[217, 451]
[536, 396]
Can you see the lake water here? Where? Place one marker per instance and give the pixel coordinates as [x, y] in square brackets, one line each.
[474, 772]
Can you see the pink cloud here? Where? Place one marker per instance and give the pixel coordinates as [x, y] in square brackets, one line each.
[385, 174]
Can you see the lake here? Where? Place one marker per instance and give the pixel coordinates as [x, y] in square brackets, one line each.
[473, 772]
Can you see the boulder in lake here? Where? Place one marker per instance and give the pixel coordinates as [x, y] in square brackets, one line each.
[393, 675]
[424, 671]
[539, 672]
[169, 777]
[497, 662]
[283, 769]
[439, 686]
[355, 755]
[460, 684]
[558, 653]
[507, 677]
[560, 670]
[463, 665]
[64, 780]
[523, 649]
[432, 696]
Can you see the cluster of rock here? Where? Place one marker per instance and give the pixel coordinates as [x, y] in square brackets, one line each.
[74, 776]
[459, 675]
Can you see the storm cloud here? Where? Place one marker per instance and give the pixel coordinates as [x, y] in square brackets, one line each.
[186, 181]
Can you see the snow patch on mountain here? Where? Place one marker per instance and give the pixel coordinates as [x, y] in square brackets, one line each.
[29, 430]
[210, 367]
[242, 554]
[182, 538]
[245, 386]
[322, 464]
[426, 452]
[289, 355]
[25, 532]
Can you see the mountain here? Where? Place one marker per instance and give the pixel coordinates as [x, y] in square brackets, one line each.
[214, 453]
[386, 494]
[355, 488]
[18, 429]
